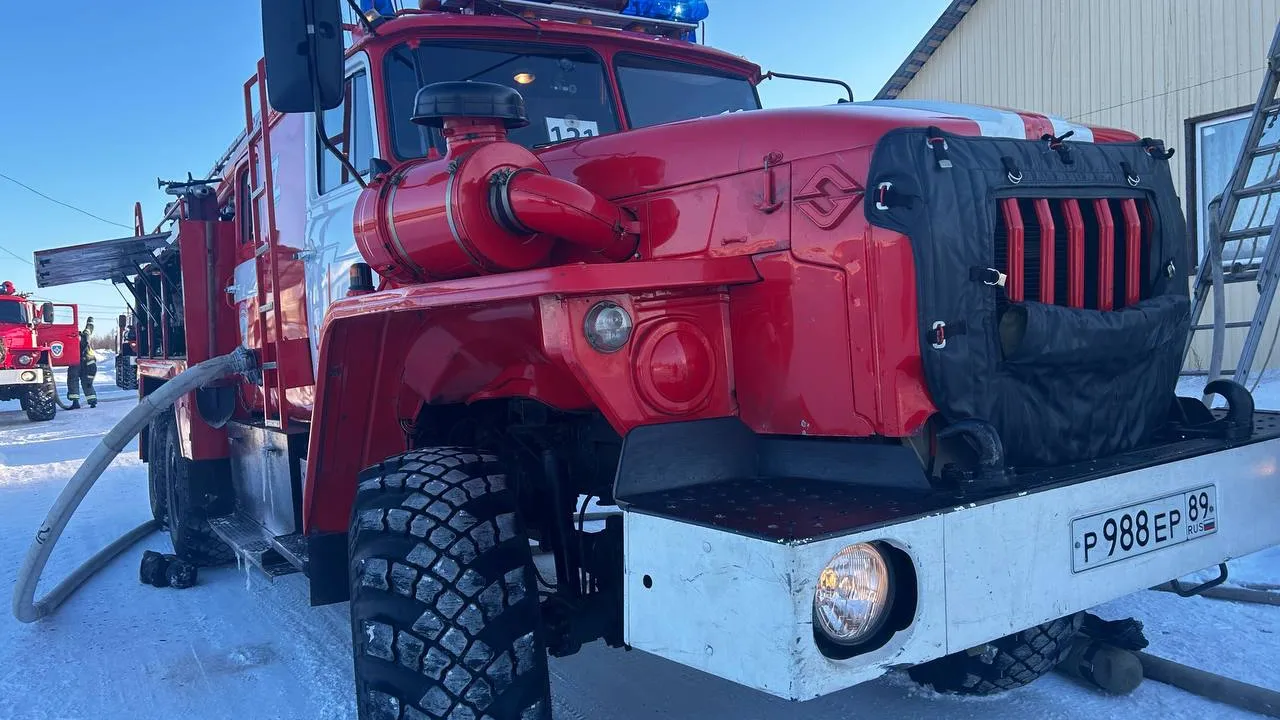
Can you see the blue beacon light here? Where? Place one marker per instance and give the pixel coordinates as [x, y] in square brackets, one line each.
[382, 7]
[688, 11]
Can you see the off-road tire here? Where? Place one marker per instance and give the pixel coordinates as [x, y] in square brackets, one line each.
[42, 401]
[1005, 664]
[444, 603]
[157, 481]
[197, 491]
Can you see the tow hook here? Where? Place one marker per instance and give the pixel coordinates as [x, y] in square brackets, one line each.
[1187, 592]
[990, 470]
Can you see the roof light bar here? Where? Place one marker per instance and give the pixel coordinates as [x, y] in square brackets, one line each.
[687, 11]
[670, 18]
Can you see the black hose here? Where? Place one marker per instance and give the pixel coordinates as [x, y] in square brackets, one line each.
[53, 380]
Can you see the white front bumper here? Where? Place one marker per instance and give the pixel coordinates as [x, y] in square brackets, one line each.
[27, 376]
[741, 607]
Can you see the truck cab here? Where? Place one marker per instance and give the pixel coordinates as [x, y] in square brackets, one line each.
[576, 81]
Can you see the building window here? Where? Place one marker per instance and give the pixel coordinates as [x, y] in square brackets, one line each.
[1217, 141]
[350, 128]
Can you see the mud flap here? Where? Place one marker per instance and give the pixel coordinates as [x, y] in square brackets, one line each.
[1068, 378]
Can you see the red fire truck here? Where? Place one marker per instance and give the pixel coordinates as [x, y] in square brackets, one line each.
[32, 342]
[864, 386]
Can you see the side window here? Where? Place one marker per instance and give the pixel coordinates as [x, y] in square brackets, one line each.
[244, 207]
[350, 128]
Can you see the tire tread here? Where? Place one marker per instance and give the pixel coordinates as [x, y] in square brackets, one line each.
[42, 402]
[1010, 662]
[443, 623]
[189, 531]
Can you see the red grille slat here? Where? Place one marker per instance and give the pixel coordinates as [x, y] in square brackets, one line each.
[1086, 253]
[1132, 249]
[1045, 217]
[1106, 254]
[1017, 235]
[1075, 252]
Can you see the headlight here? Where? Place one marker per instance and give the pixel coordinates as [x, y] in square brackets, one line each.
[28, 376]
[608, 327]
[25, 359]
[852, 598]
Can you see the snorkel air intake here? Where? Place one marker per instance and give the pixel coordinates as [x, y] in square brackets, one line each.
[489, 206]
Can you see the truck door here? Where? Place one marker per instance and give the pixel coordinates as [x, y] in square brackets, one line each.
[61, 334]
[332, 193]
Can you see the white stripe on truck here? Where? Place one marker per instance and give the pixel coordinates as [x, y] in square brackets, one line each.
[991, 122]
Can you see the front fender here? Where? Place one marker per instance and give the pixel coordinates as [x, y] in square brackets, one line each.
[386, 354]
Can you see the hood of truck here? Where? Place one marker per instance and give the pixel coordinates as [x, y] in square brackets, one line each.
[667, 156]
[16, 337]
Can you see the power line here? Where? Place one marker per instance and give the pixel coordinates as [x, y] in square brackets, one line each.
[56, 201]
[59, 202]
[16, 255]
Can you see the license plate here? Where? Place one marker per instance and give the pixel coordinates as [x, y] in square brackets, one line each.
[1115, 535]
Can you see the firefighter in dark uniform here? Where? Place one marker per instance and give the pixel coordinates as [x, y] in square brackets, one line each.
[81, 375]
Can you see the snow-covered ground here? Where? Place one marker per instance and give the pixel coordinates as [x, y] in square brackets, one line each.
[243, 647]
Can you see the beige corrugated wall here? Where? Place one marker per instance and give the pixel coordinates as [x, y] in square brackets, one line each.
[1142, 65]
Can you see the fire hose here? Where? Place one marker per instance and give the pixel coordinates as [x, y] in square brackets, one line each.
[53, 381]
[25, 607]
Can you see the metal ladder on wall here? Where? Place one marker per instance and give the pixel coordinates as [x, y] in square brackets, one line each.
[1239, 220]
[268, 323]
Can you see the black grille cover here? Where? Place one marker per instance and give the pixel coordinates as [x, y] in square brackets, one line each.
[1067, 384]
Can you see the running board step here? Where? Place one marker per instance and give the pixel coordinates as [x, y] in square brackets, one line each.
[274, 556]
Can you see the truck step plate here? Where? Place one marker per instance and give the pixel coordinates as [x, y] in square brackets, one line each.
[1107, 537]
[252, 543]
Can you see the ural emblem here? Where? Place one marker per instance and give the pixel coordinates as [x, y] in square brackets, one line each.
[828, 197]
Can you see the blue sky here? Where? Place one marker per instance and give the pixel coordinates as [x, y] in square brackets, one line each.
[103, 97]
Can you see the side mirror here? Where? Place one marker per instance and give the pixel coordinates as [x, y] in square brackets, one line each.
[46, 313]
[122, 321]
[303, 67]
[378, 167]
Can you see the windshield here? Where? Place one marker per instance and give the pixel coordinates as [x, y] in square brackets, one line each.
[12, 311]
[565, 90]
[657, 91]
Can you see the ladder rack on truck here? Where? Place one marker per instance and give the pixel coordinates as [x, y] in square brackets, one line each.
[268, 320]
